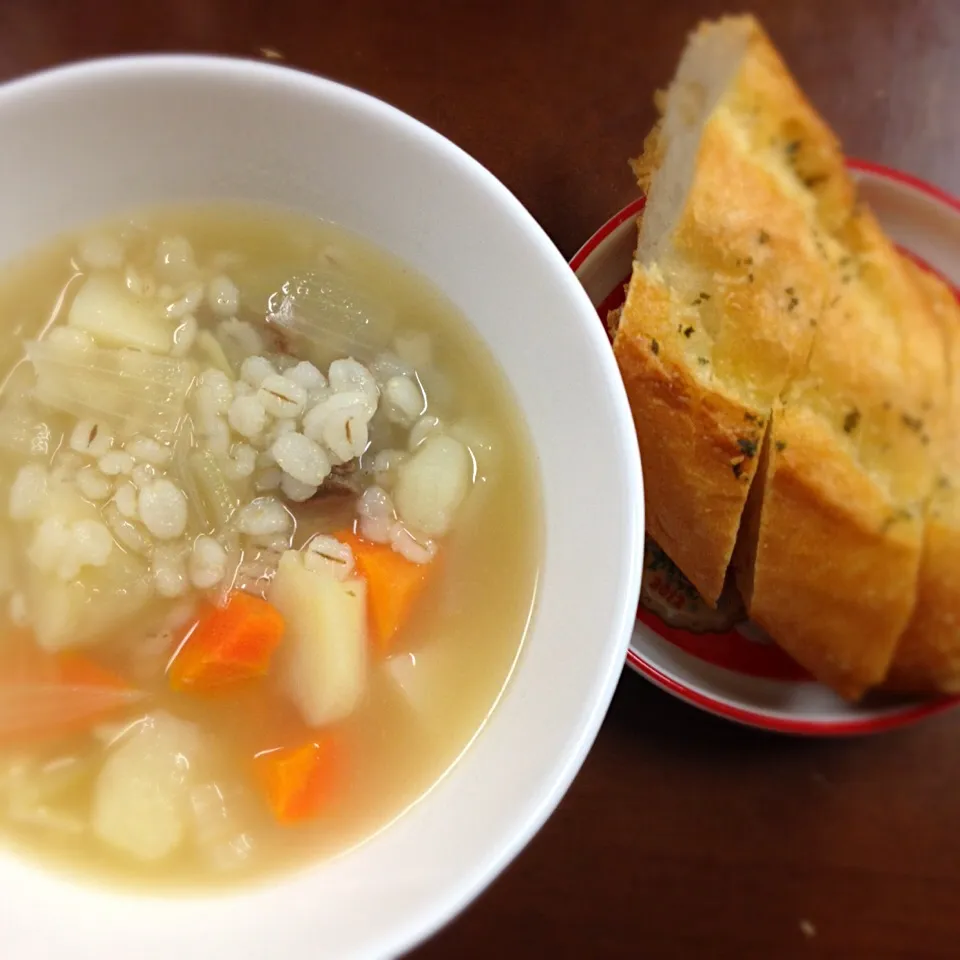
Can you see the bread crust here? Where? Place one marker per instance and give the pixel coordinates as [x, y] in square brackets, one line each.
[833, 578]
[729, 305]
[927, 658]
[692, 442]
[832, 574]
[777, 302]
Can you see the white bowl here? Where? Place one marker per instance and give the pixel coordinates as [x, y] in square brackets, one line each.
[86, 141]
[740, 674]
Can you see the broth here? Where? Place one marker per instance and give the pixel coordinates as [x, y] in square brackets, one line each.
[427, 688]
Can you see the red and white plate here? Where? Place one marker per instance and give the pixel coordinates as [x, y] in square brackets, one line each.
[740, 674]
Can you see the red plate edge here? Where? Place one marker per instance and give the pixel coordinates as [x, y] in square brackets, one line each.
[627, 213]
[814, 728]
[830, 728]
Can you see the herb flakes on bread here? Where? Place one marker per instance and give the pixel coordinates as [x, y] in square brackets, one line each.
[927, 658]
[785, 369]
[719, 308]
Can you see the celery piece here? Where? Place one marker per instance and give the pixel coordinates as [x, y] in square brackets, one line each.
[326, 316]
[217, 496]
[128, 389]
[210, 347]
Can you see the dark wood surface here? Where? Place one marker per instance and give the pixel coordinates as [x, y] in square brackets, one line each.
[683, 836]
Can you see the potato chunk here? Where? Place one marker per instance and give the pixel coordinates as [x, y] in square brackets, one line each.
[324, 649]
[140, 804]
[116, 318]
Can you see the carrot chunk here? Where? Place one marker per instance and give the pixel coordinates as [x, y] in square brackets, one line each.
[298, 782]
[393, 585]
[227, 645]
[76, 670]
[57, 695]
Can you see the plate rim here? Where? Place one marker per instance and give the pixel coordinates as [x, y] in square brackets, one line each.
[876, 722]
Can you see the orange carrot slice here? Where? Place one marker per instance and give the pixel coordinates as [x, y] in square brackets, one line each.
[79, 671]
[299, 782]
[52, 696]
[227, 645]
[393, 585]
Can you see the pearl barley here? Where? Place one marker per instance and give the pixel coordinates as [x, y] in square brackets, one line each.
[163, 509]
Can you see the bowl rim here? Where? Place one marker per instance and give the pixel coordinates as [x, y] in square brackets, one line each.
[475, 876]
[745, 716]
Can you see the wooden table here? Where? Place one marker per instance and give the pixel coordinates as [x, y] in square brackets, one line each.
[683, 836]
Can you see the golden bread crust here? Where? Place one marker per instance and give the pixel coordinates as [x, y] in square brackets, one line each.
[730, 304]
[785, 122]
[833, 577]
[775, 300]
[697, 446]
[649, 161]
[927, 658]
[832, 572]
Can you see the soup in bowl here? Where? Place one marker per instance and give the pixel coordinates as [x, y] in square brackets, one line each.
[322, 517]
[261, 485]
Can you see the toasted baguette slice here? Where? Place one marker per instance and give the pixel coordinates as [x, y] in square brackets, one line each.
[725, 285]
[927, 658]
[830, 547]
[768, 313]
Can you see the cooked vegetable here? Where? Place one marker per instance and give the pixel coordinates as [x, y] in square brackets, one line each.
[116, 318]
[141, 795]
[324, 655]
[69, 614]
[63, 609]
[432, 484]
[299, 782]
[74, 669]
[393, 585]
[125, 389]
[198, 683]
[328, 315]
[210, 347]
[228, 644]
[212, 492]
[50, 696]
